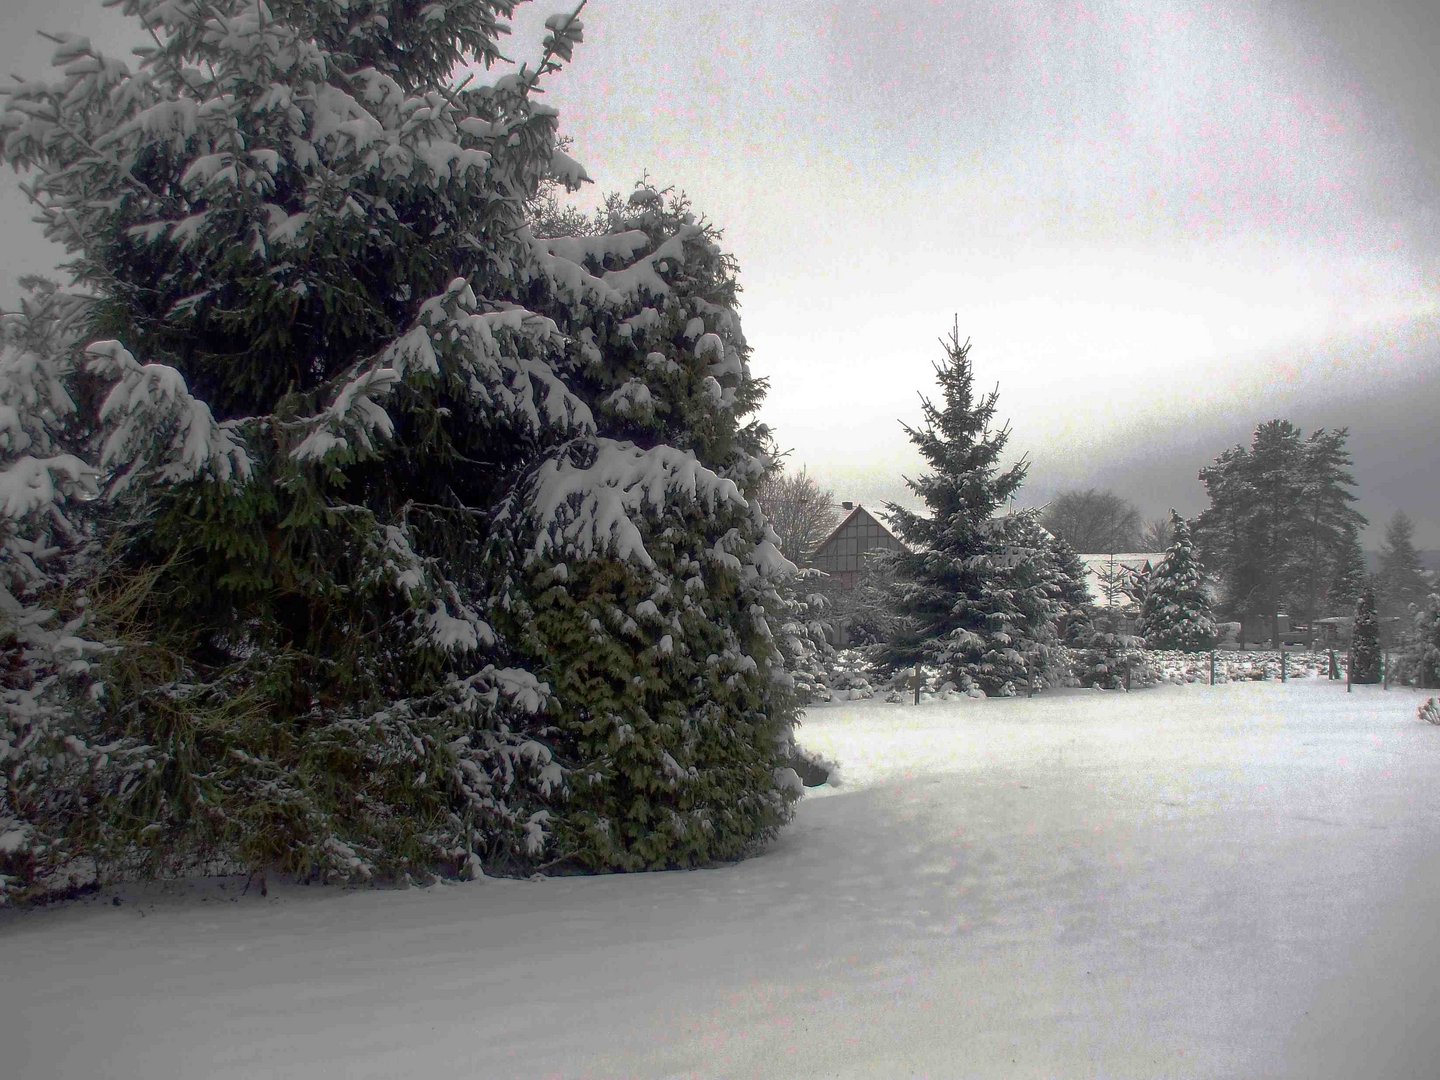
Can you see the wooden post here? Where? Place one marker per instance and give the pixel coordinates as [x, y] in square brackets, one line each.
[1385, 667]
[1349, 667]
[1212, 667]
[1334, 667]
[1284, 665]
[919, 678]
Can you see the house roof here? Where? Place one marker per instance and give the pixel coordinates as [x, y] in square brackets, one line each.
[856, 515]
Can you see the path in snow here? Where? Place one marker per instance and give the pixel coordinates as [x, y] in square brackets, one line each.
[1185, 881]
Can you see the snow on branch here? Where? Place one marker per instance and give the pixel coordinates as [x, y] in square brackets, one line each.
[155, 423]
[589, 510]
[495, 345]
[354, 418]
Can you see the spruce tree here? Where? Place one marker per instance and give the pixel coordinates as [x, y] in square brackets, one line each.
[1175, 613]
[1365, 640]
[975, 594]
[399, 493]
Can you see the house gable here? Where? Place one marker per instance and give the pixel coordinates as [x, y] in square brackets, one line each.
[841, 555]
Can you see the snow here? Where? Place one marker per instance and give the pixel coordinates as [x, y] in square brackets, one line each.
[1187, 881]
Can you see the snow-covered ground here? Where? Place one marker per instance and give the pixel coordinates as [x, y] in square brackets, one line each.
[1188, 881]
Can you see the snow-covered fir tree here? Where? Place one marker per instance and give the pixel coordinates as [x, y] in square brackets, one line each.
[1365, 640]
[671, 692]
[1175, 612]
[433, 533]
[1424, 647]
[47, 486]
[977, 594]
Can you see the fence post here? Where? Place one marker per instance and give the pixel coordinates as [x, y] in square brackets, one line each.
[1385, 667]
[1212, 667]
[1334, 667]
[1349, 667]
[1284, 665]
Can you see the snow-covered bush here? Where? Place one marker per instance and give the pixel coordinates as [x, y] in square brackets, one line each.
[809, 656]
[1107, 658]
[850, 675]
[1430, 711]
[1235, 666]
[355, 423]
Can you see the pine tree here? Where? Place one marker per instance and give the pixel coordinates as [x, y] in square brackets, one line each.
[1327, 542]
[1401, 577]
[975, 593]
[1280, 531]
[1365, 640]
[1175, 613]
[400, 493]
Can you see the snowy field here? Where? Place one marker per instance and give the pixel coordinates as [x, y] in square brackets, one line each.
[1237, 881]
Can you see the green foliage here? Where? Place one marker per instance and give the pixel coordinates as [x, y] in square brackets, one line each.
[668, 706]
[353, 416]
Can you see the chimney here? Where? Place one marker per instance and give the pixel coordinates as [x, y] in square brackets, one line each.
[847, 506]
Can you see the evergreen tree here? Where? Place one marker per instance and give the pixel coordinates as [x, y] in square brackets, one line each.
[1327, 542]
[47, 488]
[1072, 593]
[976, 593]
[1401, 577]
[434, 533]
[1280, 531]
[1175, 613]
[1425, 642]
[1365, 640]
[671, 693]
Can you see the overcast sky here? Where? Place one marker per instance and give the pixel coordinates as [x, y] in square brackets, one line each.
[1159, 223]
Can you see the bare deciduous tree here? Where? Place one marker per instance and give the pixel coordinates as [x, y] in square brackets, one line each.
[1096, 522]
[1157, 535]
[801, 512]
